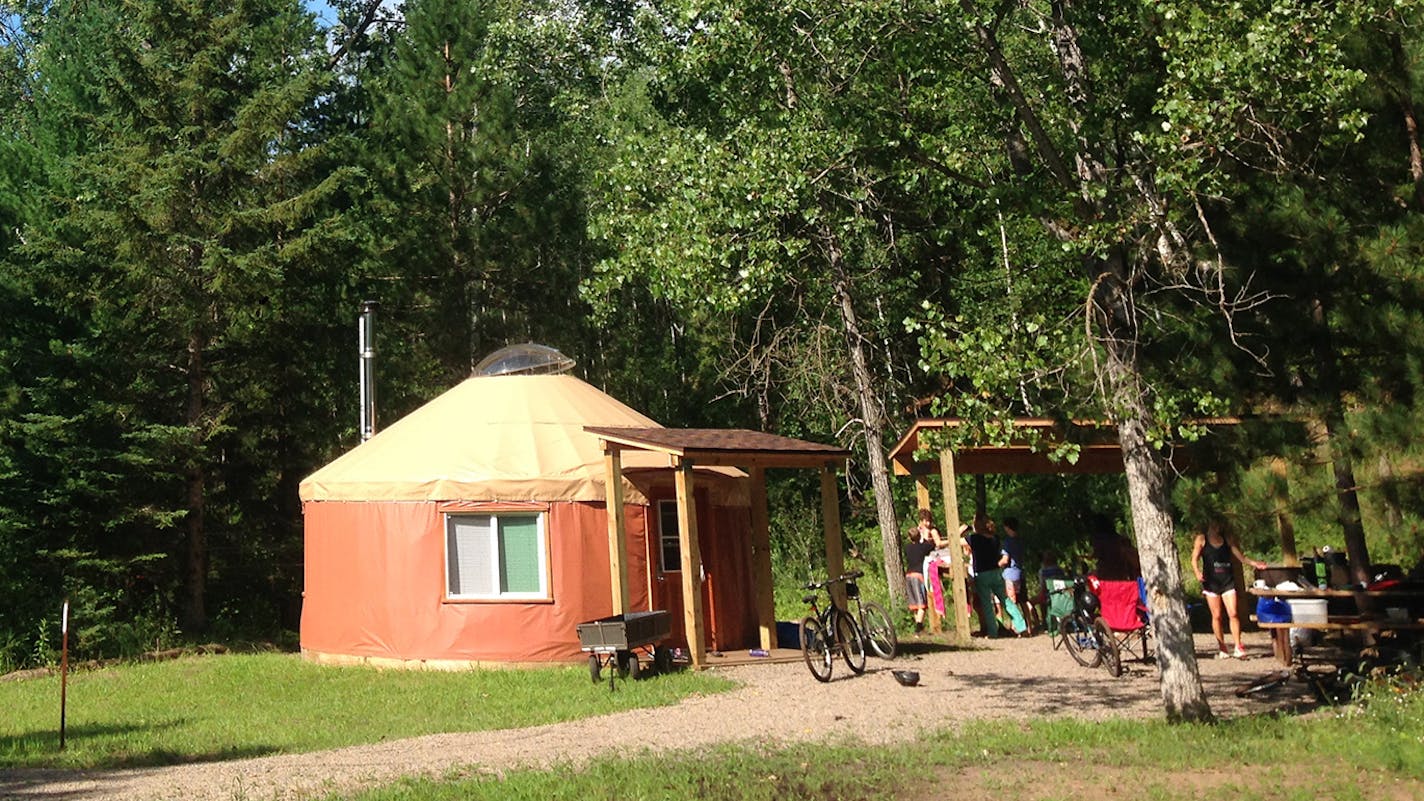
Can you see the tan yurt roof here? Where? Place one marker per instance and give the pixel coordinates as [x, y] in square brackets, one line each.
[491, 438]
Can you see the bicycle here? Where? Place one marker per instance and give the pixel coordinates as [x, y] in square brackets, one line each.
[826, 632]
[875, 626]
[1082, 632]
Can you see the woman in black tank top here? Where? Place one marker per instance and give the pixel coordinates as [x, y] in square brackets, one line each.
[1212, 559]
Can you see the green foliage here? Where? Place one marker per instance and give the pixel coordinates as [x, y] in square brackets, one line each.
[687, 198]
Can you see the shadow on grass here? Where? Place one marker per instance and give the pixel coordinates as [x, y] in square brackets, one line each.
[34, 753]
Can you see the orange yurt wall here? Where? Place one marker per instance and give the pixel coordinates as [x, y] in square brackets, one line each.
[375, 586]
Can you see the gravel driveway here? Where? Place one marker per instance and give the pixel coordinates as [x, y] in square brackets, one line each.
[1008, 679]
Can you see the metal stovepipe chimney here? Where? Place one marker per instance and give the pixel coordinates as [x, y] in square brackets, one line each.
[366, 346]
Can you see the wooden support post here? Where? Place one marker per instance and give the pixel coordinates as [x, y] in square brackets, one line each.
[761, 559]
[617, 530]
[922, 493]
[1280, 492]
[831, 515]
[957, 596]
[691, 566]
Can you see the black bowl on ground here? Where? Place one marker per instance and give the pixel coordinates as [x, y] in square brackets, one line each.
[908, 678]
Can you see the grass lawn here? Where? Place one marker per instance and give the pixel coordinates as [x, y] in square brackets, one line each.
[225, 707]
[1374, 755]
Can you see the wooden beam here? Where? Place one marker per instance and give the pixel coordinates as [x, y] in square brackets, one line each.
[768, 459]
[956, 554]
[691, 566]
[922, 493]
[617, 531]
[831, 515]
[761, 559]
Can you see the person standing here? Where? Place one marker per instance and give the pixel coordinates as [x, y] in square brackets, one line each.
[916, 550]
[1212, 555]
[989, 561]
[929, 532]
[1014, 584]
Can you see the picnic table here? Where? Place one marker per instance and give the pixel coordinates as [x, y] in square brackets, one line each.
[1370, 619]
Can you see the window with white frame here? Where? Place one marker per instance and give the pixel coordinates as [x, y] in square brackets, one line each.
[668, 536]
[496, 556]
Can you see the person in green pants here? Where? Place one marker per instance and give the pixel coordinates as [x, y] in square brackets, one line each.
[989, 561]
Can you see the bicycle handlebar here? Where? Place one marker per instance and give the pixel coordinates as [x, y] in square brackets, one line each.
[816, 585]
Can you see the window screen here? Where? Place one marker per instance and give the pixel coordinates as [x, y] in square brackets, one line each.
[496, 556]
[668, 535]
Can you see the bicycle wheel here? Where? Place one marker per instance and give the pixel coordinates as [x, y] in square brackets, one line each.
[1108, 647]
[851, 642]
[1082, 642]
[816, 648]
[878, 630]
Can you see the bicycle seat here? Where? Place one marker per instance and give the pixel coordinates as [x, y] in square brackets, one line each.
[808, 599]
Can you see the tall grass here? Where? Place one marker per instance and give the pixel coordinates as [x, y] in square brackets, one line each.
[224, 707]
[1372, 751]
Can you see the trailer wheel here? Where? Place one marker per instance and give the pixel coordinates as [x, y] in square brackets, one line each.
[662, 659]
[634, 668]
[595, 670]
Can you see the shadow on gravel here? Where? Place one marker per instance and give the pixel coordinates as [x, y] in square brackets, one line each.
[925, 647]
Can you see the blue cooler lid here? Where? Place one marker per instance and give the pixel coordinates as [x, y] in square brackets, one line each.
[1273, 610]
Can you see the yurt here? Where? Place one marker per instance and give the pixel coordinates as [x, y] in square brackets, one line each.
[473, 531]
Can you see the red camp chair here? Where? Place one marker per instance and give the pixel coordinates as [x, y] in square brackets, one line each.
[1125, 616]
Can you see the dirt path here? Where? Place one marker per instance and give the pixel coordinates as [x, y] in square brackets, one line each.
[1010, 679]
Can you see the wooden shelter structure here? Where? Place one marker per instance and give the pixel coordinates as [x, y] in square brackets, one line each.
[1031, 441]
[752, 451]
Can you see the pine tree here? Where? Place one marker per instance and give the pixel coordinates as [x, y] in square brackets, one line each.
[181, 243]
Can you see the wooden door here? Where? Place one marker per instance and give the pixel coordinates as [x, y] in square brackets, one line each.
[665, 566]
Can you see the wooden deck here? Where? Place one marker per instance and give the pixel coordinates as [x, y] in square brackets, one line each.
[716, 659]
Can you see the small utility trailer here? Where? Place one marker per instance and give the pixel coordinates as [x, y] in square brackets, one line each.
[615, 642]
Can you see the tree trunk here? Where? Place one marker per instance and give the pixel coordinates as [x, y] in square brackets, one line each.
[873, 417]
[1389, 494]
[194, 611]
[1183, 696]
[1351, 524]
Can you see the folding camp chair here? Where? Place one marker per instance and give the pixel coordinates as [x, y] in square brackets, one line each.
[1060, 602]
[1125, 615]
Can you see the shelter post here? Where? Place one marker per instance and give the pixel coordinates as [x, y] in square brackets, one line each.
[1280, 492]
[956, 554]
[617, 525]
[691, 565]
[831, 513]
[761, 559]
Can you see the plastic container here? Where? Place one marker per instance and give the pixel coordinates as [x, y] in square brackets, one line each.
[788, 634]
[1307, 610]
[1273, 610]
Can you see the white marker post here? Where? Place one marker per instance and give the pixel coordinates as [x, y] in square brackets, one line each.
[63, 669]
